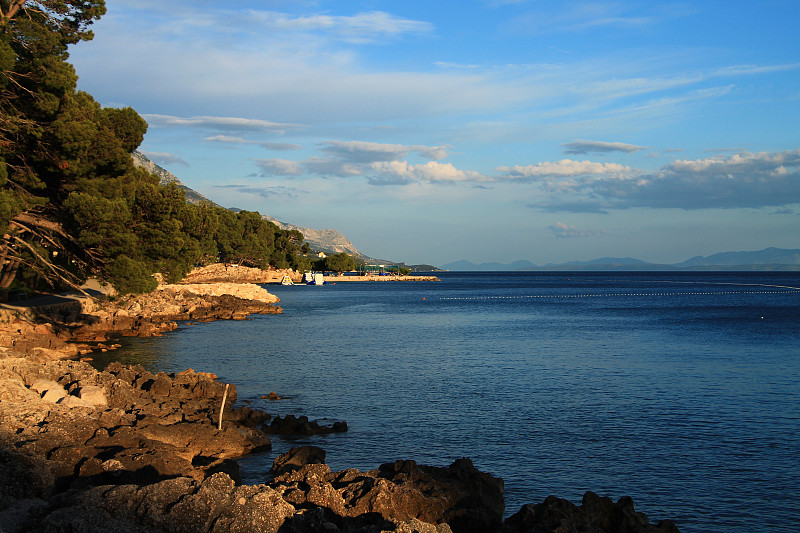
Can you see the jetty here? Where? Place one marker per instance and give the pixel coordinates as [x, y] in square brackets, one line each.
[378, 277]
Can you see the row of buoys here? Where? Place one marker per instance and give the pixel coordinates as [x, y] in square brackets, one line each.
[614, 295]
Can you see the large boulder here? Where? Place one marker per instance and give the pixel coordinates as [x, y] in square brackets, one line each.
[595, 515]
[179, 505]
[301, 425]
[296, 458]
[461, 495]
[468, 500]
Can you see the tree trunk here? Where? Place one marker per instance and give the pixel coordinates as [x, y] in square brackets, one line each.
[12, 10]
[8, 273]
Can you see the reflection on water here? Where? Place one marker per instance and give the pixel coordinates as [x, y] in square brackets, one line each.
[148, 352]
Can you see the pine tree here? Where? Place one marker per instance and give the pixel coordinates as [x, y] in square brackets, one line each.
[36, 86]
[72, 204]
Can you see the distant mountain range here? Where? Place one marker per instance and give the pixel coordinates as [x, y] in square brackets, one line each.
[326, 240]
[167, 177]
[767, 259]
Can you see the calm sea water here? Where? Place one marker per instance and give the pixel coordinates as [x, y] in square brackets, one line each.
[681, 390]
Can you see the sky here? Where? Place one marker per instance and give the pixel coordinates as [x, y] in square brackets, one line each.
[486, 130]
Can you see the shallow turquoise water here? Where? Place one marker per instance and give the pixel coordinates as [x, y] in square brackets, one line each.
[680, 390]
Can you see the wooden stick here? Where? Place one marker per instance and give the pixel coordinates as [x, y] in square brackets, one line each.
[222, 407]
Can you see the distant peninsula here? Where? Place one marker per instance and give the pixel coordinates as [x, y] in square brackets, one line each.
[768, 259]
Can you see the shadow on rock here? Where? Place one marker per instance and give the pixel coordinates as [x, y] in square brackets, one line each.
[300, 425]
[459, 495]
[594, 515]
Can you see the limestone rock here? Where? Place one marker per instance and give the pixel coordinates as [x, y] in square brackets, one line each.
[14, 391]
[296, 458]
[594, 515]
[93, 394]
[222, 273]
[49, 390]
[300, 425]
[74, 401]
[459, 495]
[123, 425]
[245, 291]
[185, 505]
[54, 395]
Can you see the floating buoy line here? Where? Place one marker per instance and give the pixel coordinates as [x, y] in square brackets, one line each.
[768, 289]
[614, 294]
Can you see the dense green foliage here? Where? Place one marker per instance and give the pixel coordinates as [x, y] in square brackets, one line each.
[340, 262]
[72, 204]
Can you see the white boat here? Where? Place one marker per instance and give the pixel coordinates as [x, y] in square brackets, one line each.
[314, 279]
[286, 280]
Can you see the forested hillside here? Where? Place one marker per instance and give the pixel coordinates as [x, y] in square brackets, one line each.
[72, 204]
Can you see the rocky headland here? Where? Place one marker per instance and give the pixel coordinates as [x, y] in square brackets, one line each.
[57, 326]
[228, 273]
[125, 449]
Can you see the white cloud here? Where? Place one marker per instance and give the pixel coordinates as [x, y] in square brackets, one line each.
[360, 152]
[358, 28]
[218, 123]
[379, 163]
[743, 180]
[563, 168]
[262, 192]
[401, 172]
[585, 147]
[278, 167]
[749, 70]
[744, 164]
[564, 231]
[279, 147]
[579, 17]
[329, 167]
[391, 172]
[630, 110]
[447, 64]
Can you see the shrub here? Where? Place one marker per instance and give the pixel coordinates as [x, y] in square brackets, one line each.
[130, 276]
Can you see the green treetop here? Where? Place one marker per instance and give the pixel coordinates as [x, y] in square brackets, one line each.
[340, 262]
[36, 85]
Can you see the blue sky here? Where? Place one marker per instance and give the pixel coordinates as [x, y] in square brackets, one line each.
[487, 130]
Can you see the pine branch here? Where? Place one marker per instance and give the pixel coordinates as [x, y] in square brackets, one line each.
[52, 272]
[12, 11]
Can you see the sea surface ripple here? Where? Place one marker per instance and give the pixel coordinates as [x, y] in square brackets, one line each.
[681, 390]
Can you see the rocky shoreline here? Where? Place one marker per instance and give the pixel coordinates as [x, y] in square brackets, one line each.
[54, 327]
[124, 449]
[219, 272]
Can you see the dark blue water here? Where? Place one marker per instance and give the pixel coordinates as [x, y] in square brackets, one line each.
[680, 390]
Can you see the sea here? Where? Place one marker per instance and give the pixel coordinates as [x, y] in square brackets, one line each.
[679, 389]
